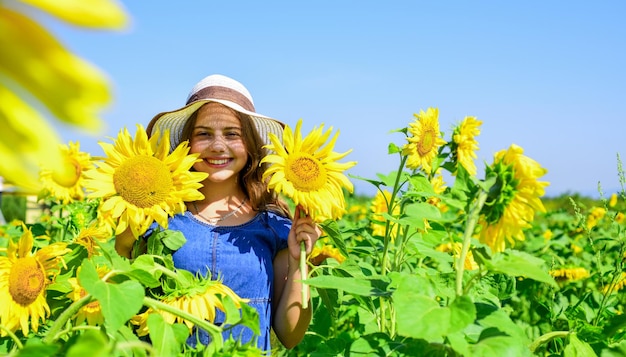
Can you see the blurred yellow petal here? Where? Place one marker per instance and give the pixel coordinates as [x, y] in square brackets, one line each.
[104, 14]
[71, 88]
[26, 140]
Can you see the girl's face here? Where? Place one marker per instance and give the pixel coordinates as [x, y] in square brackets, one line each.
[217, 136]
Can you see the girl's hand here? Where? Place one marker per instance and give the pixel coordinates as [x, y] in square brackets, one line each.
[303, 229]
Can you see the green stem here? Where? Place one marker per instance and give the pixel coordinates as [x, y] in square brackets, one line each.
[467, 239]
[53, 333]
[543, 339]
[305, 297]
[382, 326]
[214, 331]
[10, 333]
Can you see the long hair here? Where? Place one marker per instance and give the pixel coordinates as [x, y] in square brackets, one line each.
[250, 178]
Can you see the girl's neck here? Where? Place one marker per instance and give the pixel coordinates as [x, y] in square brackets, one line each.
[221, 191]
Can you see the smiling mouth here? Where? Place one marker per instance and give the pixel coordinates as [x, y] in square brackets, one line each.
[218, 162]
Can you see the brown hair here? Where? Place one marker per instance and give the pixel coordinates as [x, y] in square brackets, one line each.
[251, 176]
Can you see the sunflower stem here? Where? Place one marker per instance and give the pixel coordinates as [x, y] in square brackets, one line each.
[10, 333]
[545, 338]
[305, 297]
[214, 331]
[54, 331]
[467, 239]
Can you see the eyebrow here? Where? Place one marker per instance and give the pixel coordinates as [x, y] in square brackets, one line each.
[209, 128]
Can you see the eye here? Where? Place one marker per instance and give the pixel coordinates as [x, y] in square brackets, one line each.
[232, 134]
[202, 134]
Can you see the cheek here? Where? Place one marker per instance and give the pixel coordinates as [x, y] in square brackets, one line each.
[196, 146]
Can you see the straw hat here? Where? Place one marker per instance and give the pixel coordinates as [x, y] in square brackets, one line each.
[220, 89]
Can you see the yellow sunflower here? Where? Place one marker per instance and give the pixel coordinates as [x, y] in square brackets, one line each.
[33, 61]
[613, 200]
[380, 204]
[199, 300]
[89, 237]
[465, 144]
[618, 285]
[569, 274]
[455, 248]
[513, 199]
[92, 312]
[595, 215]
[425, 141]
[65, 182]
[319, 254]
[24, 276]
[307, 171]
[139, 182]
[439, 186]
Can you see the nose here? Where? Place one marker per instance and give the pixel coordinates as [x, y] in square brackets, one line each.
[217, 143]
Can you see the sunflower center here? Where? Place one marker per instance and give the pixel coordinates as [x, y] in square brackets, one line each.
[305, 172]
[26, 280]
[425, 145]
[68, 174]
[144, 181]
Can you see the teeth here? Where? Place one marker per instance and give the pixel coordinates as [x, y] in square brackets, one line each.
[218, 162]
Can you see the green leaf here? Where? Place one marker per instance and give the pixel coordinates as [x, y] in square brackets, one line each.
[146, 271]
[166, 339]
[516, 263]
[364, 286]
[419, 316]
[376, 344]
[173, 239]
[502, 321]
[118, 302]
[88, 275]
[421, 184]
[231, 310]
[36, 348]
[91, 343]
[462, 313]
[501, 346]
[250, 318]
[331, 228]
[578, 348]
[416, 212]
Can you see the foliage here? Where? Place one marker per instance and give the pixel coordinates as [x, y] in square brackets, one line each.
[397, 294]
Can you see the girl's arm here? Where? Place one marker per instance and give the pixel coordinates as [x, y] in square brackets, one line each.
[291, 321]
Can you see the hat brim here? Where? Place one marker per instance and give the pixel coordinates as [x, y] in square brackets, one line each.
[175, 120]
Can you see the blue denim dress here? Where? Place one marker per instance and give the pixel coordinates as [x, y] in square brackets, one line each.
[242, 256]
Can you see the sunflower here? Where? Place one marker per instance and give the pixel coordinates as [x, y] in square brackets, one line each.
[380, 204]
[307, 171]
[139, 182]
[595, 215]
[569, 274]
[200, 300]
[319, 254]
[613, 200]
[513, 199]
[618, 285]
[24, 276]
[465, 144]
[455, 248]
[33, 61]
[65, 182]
[425, 141]
[439, 186]
[92, 312]
[89, 237]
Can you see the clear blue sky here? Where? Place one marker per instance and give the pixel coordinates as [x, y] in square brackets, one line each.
[548, 76]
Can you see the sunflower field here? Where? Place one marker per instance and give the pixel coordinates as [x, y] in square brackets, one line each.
[443, 261]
